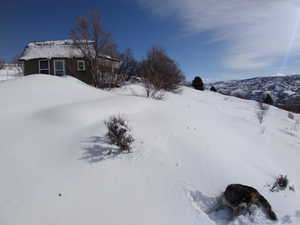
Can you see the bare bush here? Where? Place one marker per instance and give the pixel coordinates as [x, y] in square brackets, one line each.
[262, 110]
[129, 65]
[93, 42]
[213, 89]
[281, 183]
[159, 73]
[119, 133]
[268, 100]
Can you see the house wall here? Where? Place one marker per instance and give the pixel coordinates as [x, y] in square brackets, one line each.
[71, 69]
[32, 67]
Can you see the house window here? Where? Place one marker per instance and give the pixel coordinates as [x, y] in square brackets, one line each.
[44, 67]
[80, 65]
[59, 67]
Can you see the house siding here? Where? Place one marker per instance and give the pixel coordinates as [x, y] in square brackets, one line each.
[71, 69]
[32, 67]
[64, 50]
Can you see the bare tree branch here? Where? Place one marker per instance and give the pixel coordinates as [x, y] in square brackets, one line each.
[93, 42]
[129, 65]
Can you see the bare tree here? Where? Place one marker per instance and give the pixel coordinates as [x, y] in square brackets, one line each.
[93, 42]
[129, 64]
[159, 72]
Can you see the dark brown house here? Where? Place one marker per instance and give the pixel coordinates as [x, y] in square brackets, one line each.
[61, 58]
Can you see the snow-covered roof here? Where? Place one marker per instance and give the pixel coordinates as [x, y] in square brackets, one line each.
[52, 49]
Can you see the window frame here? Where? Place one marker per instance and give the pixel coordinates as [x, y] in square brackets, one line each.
[64, 67]
[84, 66]
[44, 60]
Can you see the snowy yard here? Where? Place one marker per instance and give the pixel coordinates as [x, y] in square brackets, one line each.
[188, 148]
[9, 73]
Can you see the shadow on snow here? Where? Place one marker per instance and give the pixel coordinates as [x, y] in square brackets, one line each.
[97, 149]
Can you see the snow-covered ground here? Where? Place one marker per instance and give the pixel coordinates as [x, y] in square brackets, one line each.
[188, 148]
[9, 73]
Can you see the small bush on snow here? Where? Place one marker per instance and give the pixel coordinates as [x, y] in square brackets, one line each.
[213, 89]
[268, 100]
[281, 183]
[198, 84]
[119, 133]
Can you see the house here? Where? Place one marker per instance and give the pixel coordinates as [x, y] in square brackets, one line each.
[62, 58]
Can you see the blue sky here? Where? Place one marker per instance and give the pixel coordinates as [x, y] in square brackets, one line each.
[214, 39]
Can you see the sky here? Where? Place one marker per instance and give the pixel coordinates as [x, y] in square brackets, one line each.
[214, 39]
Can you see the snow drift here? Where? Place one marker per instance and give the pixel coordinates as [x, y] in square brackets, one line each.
[187, 149]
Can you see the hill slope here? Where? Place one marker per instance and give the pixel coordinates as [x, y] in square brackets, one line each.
[284, 89]
[188, 148]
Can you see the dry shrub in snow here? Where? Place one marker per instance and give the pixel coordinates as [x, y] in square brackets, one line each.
[119, 133]
[159, 72]
[268, 100]
[281, 183]
[213, 89]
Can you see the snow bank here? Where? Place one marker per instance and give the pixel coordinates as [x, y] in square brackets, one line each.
[52, 171]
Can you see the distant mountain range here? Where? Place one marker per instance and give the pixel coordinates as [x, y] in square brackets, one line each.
[283, 89]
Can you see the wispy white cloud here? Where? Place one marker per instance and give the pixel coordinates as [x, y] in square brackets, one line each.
[258, 33]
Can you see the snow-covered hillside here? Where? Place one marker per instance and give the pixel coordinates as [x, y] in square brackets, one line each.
[283, 89]
[188, 148]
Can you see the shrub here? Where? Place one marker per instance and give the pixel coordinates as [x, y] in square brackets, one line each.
[268, 100]
[159, 72]
[119, 133]
[281, 183]
[198, 84]
[213, 89]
